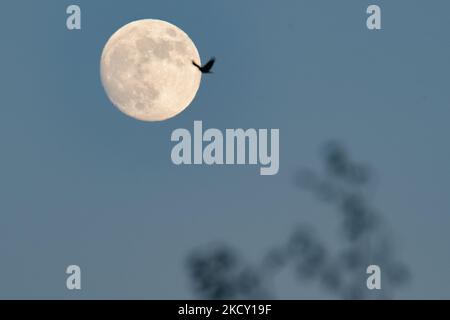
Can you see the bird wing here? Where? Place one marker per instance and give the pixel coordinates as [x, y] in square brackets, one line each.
[210, 64]
[195, 64]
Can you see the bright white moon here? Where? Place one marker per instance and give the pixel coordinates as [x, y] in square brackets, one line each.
[147, 72]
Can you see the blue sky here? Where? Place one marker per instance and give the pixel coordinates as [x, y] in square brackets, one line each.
[83, 184]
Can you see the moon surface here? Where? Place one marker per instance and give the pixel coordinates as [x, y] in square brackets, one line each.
[147, 72]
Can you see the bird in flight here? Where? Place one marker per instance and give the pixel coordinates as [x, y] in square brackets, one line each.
[207, 67]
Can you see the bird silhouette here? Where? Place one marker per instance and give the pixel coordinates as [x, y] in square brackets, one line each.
[207, 67]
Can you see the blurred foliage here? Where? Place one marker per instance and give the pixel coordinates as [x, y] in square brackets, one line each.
[218, 272]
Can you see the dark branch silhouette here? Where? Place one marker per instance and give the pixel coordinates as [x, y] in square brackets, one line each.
[218, 273]
[207, 67]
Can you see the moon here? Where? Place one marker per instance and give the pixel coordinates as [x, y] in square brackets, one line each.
[147, 72]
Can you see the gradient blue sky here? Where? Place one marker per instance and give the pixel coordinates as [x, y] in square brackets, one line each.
[80, 183]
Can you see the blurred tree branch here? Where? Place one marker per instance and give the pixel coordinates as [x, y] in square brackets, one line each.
[218, 272]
